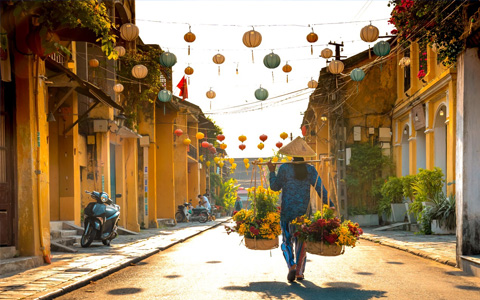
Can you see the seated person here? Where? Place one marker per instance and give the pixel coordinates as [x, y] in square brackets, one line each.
[203, 202]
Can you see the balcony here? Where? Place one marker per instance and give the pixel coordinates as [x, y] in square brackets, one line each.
[192, 152]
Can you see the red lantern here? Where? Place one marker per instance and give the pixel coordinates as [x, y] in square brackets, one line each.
[213, 150]
[304, 130]
[279, 145]
[263, 137]
[220, 137]
[205, 144]
[178, 132]
[242, 146]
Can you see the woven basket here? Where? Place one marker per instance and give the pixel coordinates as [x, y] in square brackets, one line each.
[261, 244]
[320, 248]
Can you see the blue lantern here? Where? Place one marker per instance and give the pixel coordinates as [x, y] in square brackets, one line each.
[164, 96]
[271, 60]
[357, 74]
[381, 48]
[168, 59]
[261, 94]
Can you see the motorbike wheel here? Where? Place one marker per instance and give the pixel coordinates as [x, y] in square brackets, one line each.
[203, 217]
[88, 236]
[179, 217]
[106, 242]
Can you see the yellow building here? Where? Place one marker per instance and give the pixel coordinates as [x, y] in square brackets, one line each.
[424, 115]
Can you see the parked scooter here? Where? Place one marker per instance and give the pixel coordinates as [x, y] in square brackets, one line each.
[101, 219]
[185, 213]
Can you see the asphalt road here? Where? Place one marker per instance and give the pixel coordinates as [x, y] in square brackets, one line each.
[215, 265]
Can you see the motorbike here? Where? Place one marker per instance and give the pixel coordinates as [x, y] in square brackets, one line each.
[185, 213]
[101, 219]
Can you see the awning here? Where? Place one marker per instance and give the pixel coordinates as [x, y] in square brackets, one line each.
[66, 78]
[126, 132]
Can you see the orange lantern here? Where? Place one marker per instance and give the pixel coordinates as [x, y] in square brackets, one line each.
[284, 135]
[200, 135]
[252, 39]
[242, 138]
[245, 160]
[223, 146]
[231, 160]
[189, 37]
[287, 69]
[93, 63]
[218, 59]
[312, 37]
[260, 146]
[188, 70]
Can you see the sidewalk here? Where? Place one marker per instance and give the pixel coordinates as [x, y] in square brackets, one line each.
[70, 271]
[441, 248]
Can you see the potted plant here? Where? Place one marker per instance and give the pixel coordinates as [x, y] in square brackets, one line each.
[363, 216]
[440, 218]
[325, 234]
[428, 185]
[260, 226]
[391, 204]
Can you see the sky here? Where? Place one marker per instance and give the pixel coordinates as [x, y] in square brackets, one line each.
[219, 27]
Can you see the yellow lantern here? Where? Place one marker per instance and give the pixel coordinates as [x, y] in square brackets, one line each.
[247, 166]
[242, 138]
[260, 146]
[275, 159]
[201, 157]
[312, 84]
[200, 135]
[94, 63]
[283, 135]
[234, 166]
[223, 146]
[260, 159]
[326, 53]
[252, 39]
[187, 141]
[245, 160]
[207, 163]
[221, 164]
[231, 161]
[289, 158]
[336, 67]
[216, 159]
[283, 160]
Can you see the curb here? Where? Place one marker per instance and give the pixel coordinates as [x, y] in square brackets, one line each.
[416, 252]
[104, 273]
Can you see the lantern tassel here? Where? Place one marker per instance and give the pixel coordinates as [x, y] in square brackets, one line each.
[218, 70]
[139, 87]
[188, 80]
[252, 57]
[273, 78]
[163, 108]
[311, 49]
[287, 78]
[188, 49]
[369, 53]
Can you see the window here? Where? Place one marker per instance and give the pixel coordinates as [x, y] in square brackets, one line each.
[406, 72]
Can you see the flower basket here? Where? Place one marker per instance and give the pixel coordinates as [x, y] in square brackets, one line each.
[320, 248]
[261, 244]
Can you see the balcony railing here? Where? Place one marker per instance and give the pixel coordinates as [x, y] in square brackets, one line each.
[192, 152]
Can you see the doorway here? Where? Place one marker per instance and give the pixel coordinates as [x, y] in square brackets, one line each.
[113, 177]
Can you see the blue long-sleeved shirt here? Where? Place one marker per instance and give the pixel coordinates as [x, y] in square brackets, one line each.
[295, 193]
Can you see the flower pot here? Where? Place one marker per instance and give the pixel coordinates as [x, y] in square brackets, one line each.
[411, 217]
[261, 244]
[365, 220]
[398, 212]
[320, 248]
[437, 229]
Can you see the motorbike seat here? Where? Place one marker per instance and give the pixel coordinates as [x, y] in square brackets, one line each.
[199, 209]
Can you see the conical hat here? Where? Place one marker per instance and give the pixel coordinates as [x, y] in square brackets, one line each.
[297, 148]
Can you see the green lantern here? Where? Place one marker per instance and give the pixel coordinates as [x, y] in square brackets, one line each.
[381, 48]
[357, 74]
[271, 60]
[261, 94]
[164, 96]
[168, 59]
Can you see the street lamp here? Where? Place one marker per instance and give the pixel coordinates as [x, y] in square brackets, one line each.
[120, 120]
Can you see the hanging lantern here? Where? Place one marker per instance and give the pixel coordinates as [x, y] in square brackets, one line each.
[220, 137]
[336, 67]
[279, 145]
[188, 70]
[287, 69]
[242, 138]
[221, 164]
[357, 74]
[207, 163]
[164, 96]
[218, 59]
[404, 62]
[211, 94]
[263, 137]
[234, 166]
[242, 146]
[381, 48]
[283, 160]
[247, 166]
[223, 146]
[120, 50]
[275, 159]
[283, 135]
[260, 146]
[271, 60]
[245, 160]
[326, 53]
[312, 84]
[312, 37]
[231, 160]
[205, 144]
[369, 33]
[189, 37]
[187, 141]
[200, 135]
[167, 59]
[118, 88]
[178, 132]
[216, 159]
[201, 158]
[260, 159]
[261, 94]
[323, 118]
[304, 130]
[252, 39]
[139, 72]
[93, 63]
[129, 32]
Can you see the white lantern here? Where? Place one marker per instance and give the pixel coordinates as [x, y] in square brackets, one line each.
[336, 67]
[326, 53]
[129, 32]
[139, 72]
[118, 88]
[120, 50]
[404, 62]
[369, 33]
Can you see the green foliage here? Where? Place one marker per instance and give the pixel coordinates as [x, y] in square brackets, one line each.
[91, 14]
[228, 193]
[407, 182]
[429, 22]
[364, 175]
[427, 185]
[443, 210]
[392, 192]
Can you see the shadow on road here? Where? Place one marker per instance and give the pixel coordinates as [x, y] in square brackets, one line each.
[468, 288]
[307, 290]
[125, 291]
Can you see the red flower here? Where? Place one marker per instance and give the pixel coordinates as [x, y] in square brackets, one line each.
[394, 31]
[254, 230]
[421, 74]
[331, 238]
[234, 212]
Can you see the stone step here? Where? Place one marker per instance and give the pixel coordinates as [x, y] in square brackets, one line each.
[166, 222]
[470, 264]
[58, 234]
[56, 225]
[68, 241]
[7, 252]
[19, 264]
[58, 247]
